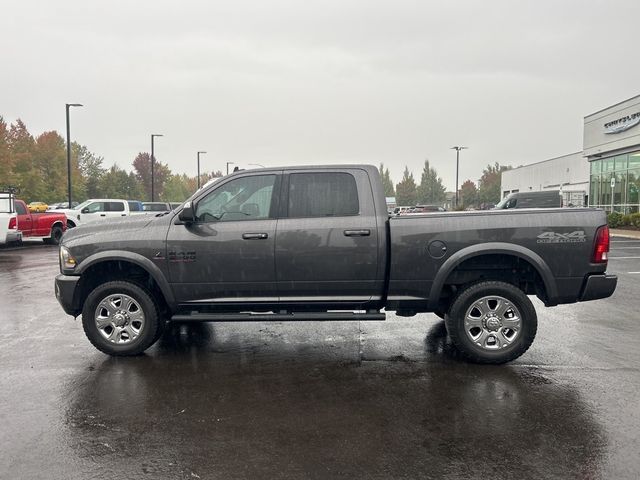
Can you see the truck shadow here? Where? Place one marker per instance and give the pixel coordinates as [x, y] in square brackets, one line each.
[207, 403]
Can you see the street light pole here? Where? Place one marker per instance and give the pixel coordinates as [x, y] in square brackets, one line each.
[229, 163]
[457, 149]
[153, 135]
[67, 105]
[199, 169]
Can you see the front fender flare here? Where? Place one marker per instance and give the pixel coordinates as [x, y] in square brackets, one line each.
[137, 259]
[493, 248]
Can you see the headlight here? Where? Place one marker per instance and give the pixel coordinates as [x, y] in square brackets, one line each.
[67, 262]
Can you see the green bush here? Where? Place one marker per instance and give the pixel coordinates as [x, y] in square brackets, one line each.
[635, 220]
[614, 219]
[626, 221]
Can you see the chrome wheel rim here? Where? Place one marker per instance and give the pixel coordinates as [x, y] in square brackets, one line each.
[492, 323]
[119, 319]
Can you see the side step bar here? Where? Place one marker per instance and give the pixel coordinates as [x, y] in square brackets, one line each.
[280, 317]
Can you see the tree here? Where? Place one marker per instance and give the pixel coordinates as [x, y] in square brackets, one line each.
[21, 148]
[50, 164]
[468, 194]
[406, 190]
[431, 190]
[387, 183]
[6, 164]
[90, 171]
[161, 172]
[489, 187]
[117, 183]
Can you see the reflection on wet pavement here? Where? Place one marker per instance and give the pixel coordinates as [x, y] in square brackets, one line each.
[311, 400]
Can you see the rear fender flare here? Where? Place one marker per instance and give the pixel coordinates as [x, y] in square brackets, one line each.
[494, 248]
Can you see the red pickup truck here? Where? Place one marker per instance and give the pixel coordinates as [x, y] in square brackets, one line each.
[47, 226]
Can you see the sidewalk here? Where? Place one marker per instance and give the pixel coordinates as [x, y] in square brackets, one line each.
[618, 232]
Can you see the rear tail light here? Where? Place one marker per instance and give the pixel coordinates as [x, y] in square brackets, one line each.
[13, 223]
[601, 247]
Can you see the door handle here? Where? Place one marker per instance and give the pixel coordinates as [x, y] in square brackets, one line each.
[357, 233]
[103, 214]
[255, 236]
[123, 214]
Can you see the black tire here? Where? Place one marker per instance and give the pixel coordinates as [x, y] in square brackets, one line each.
[56, 236]
[149, 332]
[455, 323]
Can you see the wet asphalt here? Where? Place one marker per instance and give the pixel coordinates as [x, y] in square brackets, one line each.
[316, 400]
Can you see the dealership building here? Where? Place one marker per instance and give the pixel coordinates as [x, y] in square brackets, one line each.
[605, 174]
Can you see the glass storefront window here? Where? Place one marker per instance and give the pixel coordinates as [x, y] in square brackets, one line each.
[608, 164]
[594, 195]
[634, 160]
[605, 195]
[620, 162]
[620, 188]
[633, 188]
[596, 167]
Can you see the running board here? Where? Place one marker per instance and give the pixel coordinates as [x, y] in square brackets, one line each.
[280, 317]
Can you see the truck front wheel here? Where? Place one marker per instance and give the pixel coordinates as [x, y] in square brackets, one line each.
[120, 318]
[492, 322]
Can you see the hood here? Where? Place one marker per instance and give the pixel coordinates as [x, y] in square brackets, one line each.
[114, 226]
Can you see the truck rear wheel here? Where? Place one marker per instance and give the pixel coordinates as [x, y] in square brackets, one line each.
[56, 236]
[492, 322]
[120, 318]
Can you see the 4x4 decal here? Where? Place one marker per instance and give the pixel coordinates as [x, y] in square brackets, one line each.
[554, 237]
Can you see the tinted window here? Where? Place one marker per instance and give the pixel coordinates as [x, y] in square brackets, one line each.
[20, 209]
[155, 207]
[246, 198]
[135, 206]
[322, 194]
[115, 206]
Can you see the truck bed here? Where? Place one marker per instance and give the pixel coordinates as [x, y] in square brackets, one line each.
[428, 251]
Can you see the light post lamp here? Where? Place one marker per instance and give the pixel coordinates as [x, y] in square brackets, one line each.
[457, 149]
[67, 105]
[153, 135]
[229, 163]
[256, 165]
[199, 169]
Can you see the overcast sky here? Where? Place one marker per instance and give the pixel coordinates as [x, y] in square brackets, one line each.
[300, 82]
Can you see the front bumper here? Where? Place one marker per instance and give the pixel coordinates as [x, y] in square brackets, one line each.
[66, 293]
[598, 286]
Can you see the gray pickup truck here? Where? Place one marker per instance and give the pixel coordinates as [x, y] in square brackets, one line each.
[317, 243]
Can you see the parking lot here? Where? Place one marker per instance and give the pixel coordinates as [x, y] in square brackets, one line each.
[316, 400]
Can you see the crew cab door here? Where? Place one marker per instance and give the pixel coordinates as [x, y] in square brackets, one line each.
[227, 254]
[327, 238]
[24, 218]
[92, 212]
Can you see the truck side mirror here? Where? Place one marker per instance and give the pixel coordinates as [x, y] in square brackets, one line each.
[85, 210]
[186, 215]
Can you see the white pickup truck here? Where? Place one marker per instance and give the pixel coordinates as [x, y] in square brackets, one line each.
[8, 219]
[96, 209]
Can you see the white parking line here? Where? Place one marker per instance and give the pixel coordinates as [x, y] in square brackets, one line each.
[620, 258]
[624, 248]
[633, 273]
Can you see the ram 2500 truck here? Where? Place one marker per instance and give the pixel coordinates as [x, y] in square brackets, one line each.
[317, 243]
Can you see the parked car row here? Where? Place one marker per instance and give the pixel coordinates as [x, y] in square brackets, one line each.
[104, 208]
[18, 221]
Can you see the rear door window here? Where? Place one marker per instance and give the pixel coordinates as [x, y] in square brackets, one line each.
[115, 206]
[322, 195]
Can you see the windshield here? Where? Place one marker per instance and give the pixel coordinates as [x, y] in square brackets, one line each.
[503, 202]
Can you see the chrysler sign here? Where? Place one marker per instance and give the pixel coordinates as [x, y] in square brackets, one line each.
[622, 124]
